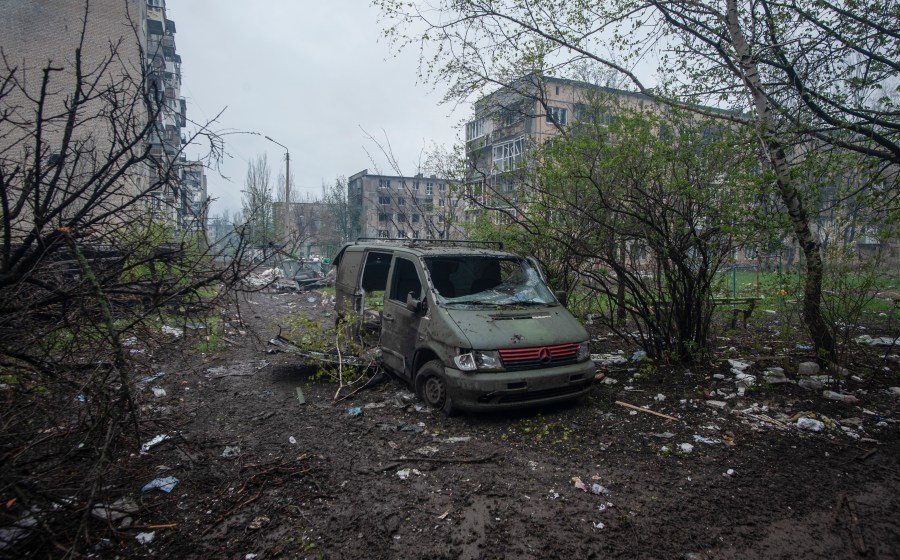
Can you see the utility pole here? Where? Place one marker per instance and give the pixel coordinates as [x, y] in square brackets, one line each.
[287, 188]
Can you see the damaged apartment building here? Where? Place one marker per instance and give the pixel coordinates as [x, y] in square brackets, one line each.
[396, 207]
[129, 42]
[515, 119]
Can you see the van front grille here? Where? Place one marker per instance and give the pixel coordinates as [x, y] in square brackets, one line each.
[539, 356]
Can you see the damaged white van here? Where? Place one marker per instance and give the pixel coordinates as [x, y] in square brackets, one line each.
[469, 327]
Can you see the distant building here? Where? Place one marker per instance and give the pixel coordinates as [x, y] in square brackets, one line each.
[418, 207]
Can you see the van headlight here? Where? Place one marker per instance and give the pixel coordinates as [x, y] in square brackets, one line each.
[584, 352]
[480, 360]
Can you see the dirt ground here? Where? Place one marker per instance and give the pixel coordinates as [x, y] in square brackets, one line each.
[262, 475]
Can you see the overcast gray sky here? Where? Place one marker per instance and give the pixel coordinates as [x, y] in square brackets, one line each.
[315, 76]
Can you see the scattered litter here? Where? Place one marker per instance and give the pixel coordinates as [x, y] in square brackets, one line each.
[414, 428]
[154, 442]
[354, 411]
[151, 378]
[610, 381]
[553, 494]
[609, 359]
[426, 451]
[444, 515]
[579, 484]
[810, 424]
[811, 384]
[808, 368]
[231, 451]
[119, 509]
[717, 404]
[685, 447]
[894, 391]
[404, 473]
[833, 396]
[599, 490]
[300, 396]
[598, 525]
[166, 484]
[159, 392]
[177, 333]
[774, 376]
[311, 300]
[706, 440]
[79, 398]
[458, 439]
[745, 379]
[292, 440]
[638, 356]
[729, 473]
[659, 397]
[258, 523]
[145, 538]
[738, 365]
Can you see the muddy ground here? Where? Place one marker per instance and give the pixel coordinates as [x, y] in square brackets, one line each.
[313, 480]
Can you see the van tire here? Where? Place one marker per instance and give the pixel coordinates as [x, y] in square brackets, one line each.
[431, 386]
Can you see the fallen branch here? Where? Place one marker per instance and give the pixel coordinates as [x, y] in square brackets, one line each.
[484, 459]
[647, 410]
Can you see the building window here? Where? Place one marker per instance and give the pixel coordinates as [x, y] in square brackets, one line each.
[384, 183]
[415, 218]
[441, 202]
[401, 217]
[415, 233]
[401, 234]
[442, 187]
[401, 201]
[475, 129]
[557, 90]
[429, 188]
[384, 200]
[557, 115]
[384, 234]
[508, 155]
[384, 217]
[415, 185]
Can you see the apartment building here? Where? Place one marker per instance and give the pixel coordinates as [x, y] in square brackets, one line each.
[513, 120]
[417, 207]
[34, 33]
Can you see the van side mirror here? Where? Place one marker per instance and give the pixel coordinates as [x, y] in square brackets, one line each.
[561, 296]
[413, 304]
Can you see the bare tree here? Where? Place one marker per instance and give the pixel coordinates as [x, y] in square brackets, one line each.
[88, 259]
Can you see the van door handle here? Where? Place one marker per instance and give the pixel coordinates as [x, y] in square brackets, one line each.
[388, 316]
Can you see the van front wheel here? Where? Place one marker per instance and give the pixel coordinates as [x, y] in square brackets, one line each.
[431, 385]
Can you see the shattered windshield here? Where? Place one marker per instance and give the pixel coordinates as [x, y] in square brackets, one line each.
[485, 280]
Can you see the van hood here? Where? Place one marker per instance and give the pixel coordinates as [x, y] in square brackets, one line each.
[494, 329]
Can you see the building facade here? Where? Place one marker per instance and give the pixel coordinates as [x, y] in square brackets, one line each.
[127, 46]
[395, 207]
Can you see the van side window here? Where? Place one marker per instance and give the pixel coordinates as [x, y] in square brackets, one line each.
[405, 280]
[375, 273]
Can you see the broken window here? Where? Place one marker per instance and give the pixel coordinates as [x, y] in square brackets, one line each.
[483, 280]
[405, 281]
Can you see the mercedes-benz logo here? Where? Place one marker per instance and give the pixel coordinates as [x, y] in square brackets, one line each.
[544, 355]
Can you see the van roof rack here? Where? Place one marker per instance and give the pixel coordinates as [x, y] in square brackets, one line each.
[434, 242]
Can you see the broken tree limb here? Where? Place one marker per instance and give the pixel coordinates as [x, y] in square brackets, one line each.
[647, 410]
[484, 459]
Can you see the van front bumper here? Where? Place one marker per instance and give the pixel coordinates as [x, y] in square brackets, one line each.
[516, 389]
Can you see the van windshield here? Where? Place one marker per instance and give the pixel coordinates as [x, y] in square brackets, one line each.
[485, 280]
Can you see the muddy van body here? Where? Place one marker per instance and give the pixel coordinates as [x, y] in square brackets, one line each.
[468, 327]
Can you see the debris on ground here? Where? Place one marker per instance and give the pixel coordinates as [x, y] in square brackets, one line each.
[166, 484]
[154, 442]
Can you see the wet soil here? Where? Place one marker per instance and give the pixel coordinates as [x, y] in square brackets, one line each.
[396, 480]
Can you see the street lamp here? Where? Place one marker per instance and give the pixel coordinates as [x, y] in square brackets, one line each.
[287, 187]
